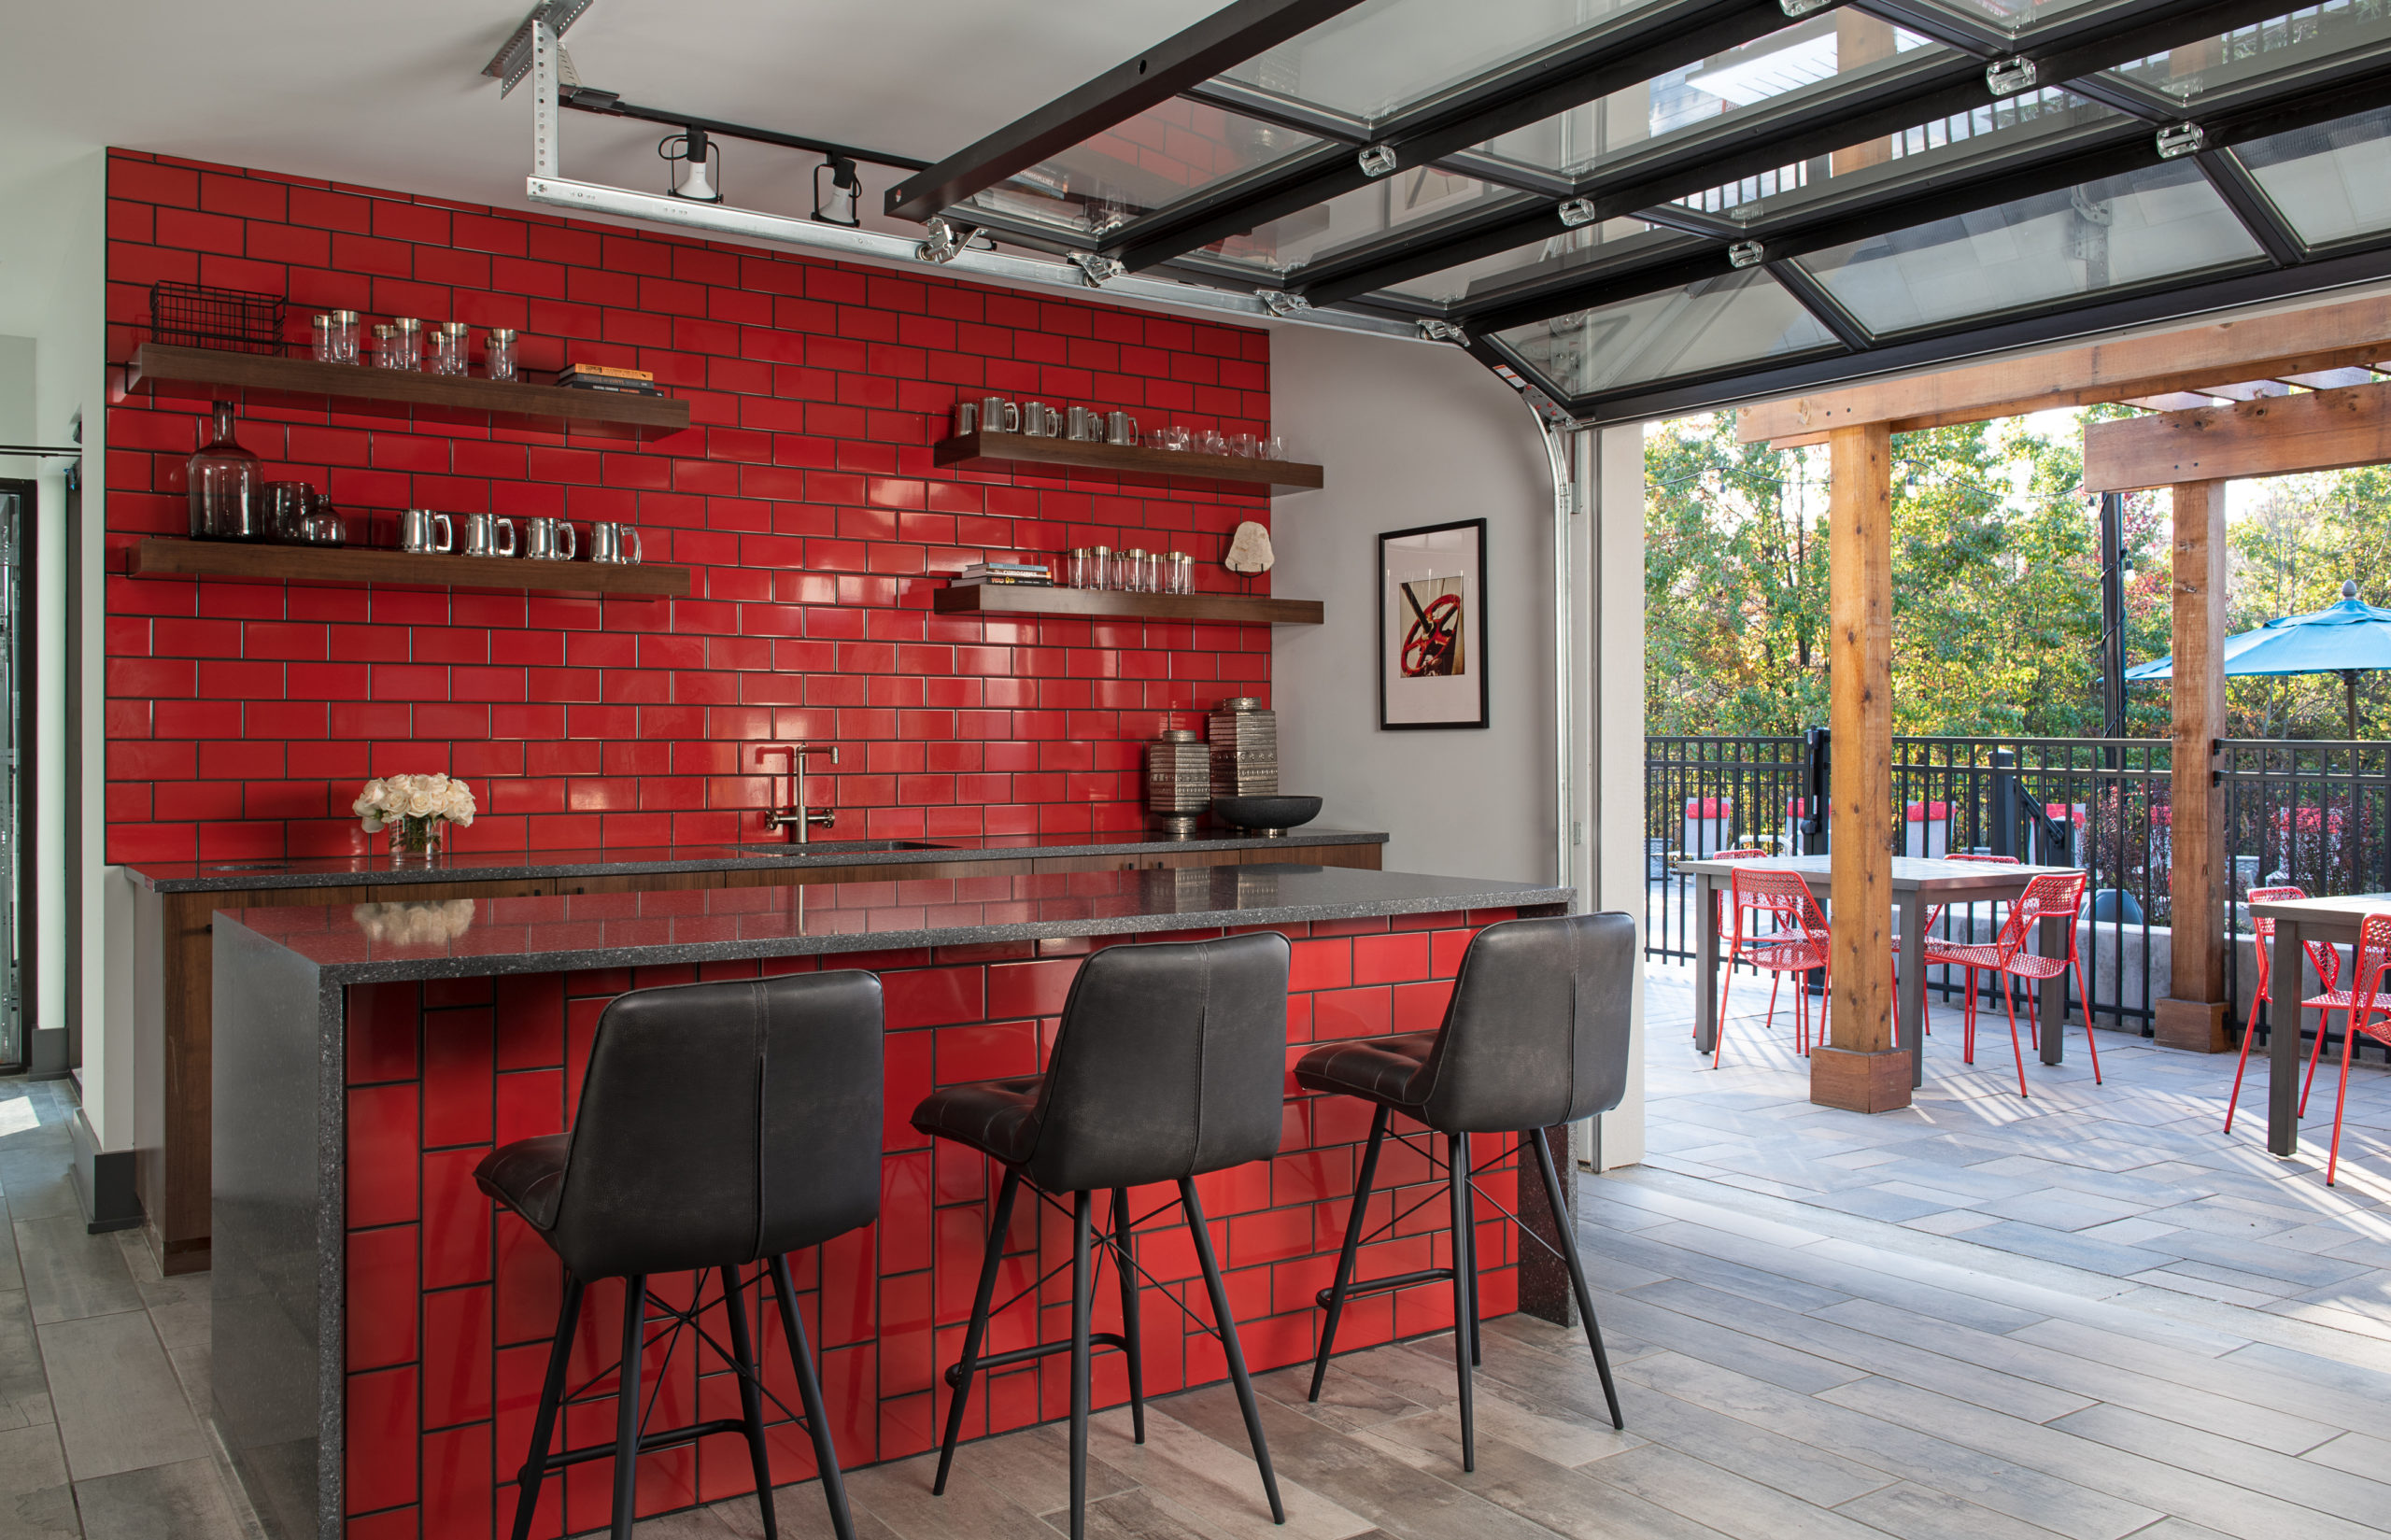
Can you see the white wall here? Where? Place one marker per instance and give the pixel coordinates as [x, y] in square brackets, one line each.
[15, 393]
[1413, 434]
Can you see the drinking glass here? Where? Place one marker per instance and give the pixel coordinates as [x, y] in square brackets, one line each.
[344, 335]
[497, 353]
[322, 333]
[1210, 442]
[1100, 569]
[1274, 449]
[449, 341]
[1242, 445]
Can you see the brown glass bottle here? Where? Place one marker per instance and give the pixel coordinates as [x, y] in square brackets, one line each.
[227, 490]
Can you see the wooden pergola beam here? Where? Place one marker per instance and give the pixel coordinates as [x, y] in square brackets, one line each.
[2297, 342]
[2273, 436]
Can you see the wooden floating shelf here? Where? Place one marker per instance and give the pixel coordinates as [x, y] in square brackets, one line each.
[1101, 604]
[155, 367]
[346, 566]
[998, 451]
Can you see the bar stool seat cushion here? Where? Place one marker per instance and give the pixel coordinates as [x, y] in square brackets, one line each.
[1378, 1069]
[528, 1176]
[998, 1118]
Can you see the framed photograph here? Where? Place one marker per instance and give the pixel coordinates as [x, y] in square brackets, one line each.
[1432, 626]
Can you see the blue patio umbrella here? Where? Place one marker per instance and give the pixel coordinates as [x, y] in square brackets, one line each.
[2344, 639]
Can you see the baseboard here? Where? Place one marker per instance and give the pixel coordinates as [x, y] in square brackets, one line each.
[46, 1053]
[103, 1180]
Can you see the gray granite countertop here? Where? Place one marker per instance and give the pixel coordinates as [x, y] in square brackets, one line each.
[509, 865]
[466, 938]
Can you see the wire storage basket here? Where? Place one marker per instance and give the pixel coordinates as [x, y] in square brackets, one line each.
[192, 314]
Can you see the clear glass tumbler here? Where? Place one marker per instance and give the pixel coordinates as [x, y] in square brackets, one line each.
[497, 353]
[344, 335]
[449, 342]
[405, 347]
[322, 333]
[1101, 572]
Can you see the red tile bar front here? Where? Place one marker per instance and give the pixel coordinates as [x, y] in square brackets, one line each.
[451, 1305]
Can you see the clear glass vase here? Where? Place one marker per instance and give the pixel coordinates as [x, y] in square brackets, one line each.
[415, 842]
[227, 490]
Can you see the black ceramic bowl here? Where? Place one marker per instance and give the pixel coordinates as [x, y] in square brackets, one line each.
[1265, 815]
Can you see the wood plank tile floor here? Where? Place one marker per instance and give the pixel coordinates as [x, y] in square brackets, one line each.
[2090, 1315]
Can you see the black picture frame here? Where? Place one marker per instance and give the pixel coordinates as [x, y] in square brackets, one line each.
[1452, 556]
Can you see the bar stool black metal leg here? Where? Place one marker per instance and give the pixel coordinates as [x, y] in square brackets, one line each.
[1563, 1223]
[968, 1364]
[627, 1407]
[1083, 1288]
[1229, 1348]
[1464, 1287]
[1126, 1262]
[543, 1422]
[809, 1389]
[751, 1395]
[1352, 1247]
[1469, 1204]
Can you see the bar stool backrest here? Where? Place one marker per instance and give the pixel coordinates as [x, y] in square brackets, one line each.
[2370, 979]
[2052, 895]
[1170, 1061]
[1536, 1031]
[724, 1122]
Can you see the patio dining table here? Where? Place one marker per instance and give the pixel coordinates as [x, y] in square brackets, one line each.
[1919, 884]
[2297, 922]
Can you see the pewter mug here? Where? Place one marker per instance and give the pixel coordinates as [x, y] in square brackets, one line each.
[482, 535]
[549, 540]
[1040, 421]
[999, 416]
[967, 417]
[1087, 424]
[1120, 428]
[615, 543]
[415, 527]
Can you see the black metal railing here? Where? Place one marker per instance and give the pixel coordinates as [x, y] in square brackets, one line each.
[2312, 814]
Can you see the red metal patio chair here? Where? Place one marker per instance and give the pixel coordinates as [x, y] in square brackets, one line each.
[2049, 895]
[1796, 941]
[2325, 958]
[2369, 1005]
[1934, 918]
[1748, 853]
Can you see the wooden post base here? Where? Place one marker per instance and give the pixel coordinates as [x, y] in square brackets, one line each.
[2197, 1026]
[1859, 1082]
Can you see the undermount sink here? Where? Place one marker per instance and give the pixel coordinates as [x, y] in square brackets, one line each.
[818, 847]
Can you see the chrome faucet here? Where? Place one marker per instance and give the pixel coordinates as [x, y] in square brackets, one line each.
[794, 817]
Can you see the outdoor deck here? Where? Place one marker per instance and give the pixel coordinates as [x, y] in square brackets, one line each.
[2090, 1314]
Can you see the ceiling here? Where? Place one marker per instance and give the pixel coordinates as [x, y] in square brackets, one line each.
[394, 97]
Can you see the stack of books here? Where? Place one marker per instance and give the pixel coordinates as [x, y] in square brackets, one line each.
[601, 376]
[1025, 575]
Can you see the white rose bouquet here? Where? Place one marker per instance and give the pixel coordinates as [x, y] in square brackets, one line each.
[414, 808]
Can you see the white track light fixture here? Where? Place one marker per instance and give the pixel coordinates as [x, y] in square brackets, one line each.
[697, 165]
[839, 207]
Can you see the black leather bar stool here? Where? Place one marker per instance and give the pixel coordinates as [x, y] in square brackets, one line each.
[721, 1125]
[1169, 1063]
[1535, 1035]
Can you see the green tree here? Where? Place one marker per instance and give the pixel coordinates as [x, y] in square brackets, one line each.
[1996, 583]
[2288, 553]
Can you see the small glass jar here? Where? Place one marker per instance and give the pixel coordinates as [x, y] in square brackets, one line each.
[497, 353]
[1136, 571]
[406, 344]
[386, 347]
[344, 335]
[1075, 569]
[1182, 574]
[1101, 572]
[449, 341]
[321, 335]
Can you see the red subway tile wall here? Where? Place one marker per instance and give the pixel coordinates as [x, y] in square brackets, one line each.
[241, 717]
[451, 1303]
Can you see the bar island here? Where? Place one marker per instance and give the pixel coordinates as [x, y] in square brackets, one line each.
[380, 1331]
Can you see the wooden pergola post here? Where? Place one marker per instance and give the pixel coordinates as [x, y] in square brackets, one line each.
[2192, 1016]
[1859, 1068]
